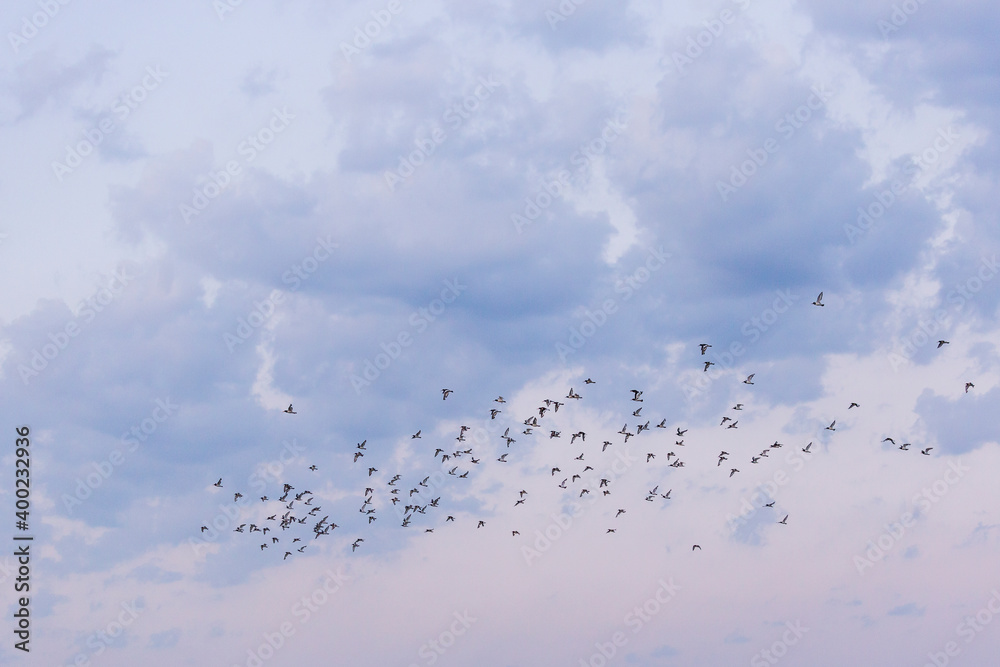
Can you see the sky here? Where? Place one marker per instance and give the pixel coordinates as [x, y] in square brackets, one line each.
[215, 209]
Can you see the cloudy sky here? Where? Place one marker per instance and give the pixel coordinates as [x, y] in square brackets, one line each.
[215, 209]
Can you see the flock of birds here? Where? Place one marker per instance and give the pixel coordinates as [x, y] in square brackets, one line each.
[286, 513]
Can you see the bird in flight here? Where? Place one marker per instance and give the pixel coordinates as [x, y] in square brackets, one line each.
[289, 410]
[703, 346]
[785, 520]
[416, 435]
[708, 364]
[219, 483]
[749, 379]
[636, 394]
[589, 381]
[819, 300]
[853, 405]
[695, 546]
[770, 504]
[943, 342]
[969, 385]
[830, 427]
[926, 452]
[445, 392]
[806, 448]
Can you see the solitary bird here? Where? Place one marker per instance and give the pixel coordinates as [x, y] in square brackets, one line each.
[749, 379]
[695, 546]
[819, 300]
[806, 448]
[853, 405]
[636, 394]
[589, 381]
[219, 483]
[445, 392]
[703, 346]
[708, 364]
[289, 410]
[926, 452]
[943, 342]
[830, 427]
[415, 435]
[969, 385]
[785, 520]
